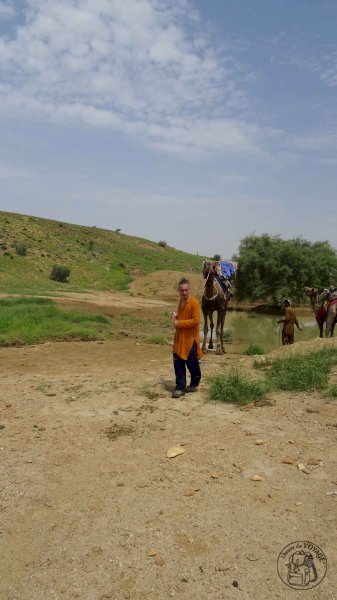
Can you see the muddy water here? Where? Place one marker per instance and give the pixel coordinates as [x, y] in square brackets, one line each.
[262, 330]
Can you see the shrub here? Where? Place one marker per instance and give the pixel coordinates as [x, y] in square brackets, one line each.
[254, 349]
[228, 336]
[21, 248]
[162, 243]
[308, 371]
[60, 273]
[235, 388]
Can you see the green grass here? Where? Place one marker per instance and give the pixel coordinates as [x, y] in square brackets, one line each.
[35, 320]
[235, 388]
[253, 350]
[303, 372]
[98, 259]
[331, 392]
[156, 339]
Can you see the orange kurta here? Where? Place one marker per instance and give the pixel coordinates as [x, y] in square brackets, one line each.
[187, 328]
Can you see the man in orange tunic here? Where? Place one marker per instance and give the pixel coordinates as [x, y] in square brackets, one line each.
[186, 345]
[289, 323]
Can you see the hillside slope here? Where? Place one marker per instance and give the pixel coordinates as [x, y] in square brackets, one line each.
[99, 259]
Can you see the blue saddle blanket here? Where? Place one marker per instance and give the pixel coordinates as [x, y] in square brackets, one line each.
[227, 269]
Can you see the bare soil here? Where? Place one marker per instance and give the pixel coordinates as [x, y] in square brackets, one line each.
[91, 508]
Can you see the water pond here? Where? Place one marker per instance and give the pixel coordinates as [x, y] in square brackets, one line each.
[245, 328]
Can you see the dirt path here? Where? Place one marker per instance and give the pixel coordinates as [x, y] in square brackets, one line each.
[87, 490]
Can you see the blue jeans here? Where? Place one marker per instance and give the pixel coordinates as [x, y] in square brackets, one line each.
[192, 363]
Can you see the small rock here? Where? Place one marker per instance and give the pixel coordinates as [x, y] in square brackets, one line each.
[159, 561]
[313, 461]
[152, 552]
[256, 478]
[2, 427]
[298, 503]
[259, 442]
[288, 460]
[215, 475]
[303, 468]
[334, 493]
[223, 567]
[175, 451]
[235, 583]
[190, 492]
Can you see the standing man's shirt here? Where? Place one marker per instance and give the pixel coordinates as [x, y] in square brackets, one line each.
[187, 328]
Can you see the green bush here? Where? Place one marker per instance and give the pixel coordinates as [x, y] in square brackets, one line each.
[228, 336]
[21, 248]
[162, 243]
[254, 349]
[60, 273]
[308, 371]
[235, 388]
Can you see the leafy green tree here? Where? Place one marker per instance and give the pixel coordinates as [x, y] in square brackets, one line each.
[271, 268]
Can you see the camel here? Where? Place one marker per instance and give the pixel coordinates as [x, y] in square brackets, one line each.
[214, 298]
[316, 305]
[331, 314]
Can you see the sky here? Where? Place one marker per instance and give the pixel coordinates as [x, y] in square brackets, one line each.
[195, 122]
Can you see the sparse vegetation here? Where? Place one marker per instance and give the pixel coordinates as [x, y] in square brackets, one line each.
[21, 248]
[235, 388]
[162, 243]
[35, 320]
[309, 371]
[156, 339]
[254, 349]
[331, 391]
[99, 259]
[60, 273]
[228, 336]
[150, 392]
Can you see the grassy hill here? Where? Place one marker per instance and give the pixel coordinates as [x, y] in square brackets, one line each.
[99, 259]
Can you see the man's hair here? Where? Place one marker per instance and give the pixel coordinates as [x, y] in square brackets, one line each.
[183, 281]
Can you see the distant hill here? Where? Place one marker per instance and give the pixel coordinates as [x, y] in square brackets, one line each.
[99, 259]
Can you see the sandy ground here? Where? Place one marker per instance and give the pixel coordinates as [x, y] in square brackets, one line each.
[91, 507]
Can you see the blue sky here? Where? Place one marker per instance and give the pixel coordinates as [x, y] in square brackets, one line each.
[195, 122]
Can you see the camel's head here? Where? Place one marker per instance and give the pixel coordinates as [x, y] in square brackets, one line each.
[208, 266]
[311, 292]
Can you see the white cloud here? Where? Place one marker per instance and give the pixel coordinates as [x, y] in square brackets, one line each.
[142, 67]
[7, 11]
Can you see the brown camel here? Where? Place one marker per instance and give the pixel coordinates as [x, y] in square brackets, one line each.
[214, 299]
[317, 307]
[331, 315]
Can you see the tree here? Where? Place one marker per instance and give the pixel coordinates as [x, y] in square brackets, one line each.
[271, 268]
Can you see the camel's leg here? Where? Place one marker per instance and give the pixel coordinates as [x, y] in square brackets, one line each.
[221, 334]
[218, 334]
[329, 325]
[205, 331]
[320, 325]
[210, 345]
